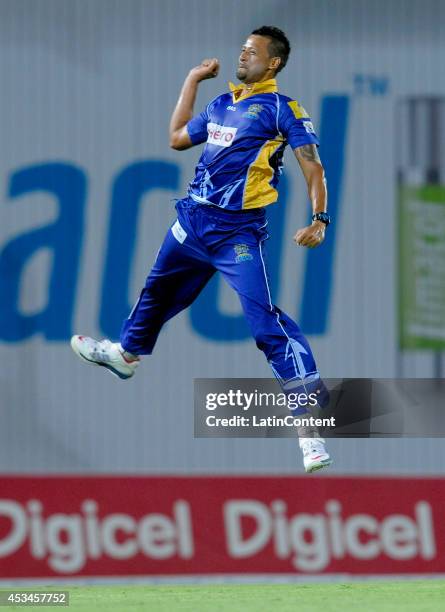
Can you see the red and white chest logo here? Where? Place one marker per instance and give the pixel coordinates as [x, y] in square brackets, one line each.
[220, 135]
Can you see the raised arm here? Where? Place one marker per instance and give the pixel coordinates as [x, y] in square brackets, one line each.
[310, 164]
[179, 137]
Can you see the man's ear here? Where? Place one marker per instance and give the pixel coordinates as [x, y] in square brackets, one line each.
[275, 63]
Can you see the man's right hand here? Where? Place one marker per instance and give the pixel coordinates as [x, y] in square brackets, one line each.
[179, 136]
[208, 69]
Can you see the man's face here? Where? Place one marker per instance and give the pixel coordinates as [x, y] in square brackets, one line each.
[254, 61]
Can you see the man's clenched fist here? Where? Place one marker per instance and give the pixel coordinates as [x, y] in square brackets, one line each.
[208, 69]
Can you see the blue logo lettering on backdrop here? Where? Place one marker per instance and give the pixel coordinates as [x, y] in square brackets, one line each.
[128, 190]
[319, 269]
[67, 184]
[64, 237]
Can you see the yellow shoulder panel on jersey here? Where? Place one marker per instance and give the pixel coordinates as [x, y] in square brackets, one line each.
[297, 109]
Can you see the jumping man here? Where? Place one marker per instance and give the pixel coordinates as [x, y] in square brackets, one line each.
[221, 224]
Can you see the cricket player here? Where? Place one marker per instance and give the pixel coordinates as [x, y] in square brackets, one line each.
[222, 225]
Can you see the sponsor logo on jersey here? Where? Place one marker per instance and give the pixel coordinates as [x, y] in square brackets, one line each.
[242, 253]
[253, 111]
[308, 126]
[232, 108]
[220, 135]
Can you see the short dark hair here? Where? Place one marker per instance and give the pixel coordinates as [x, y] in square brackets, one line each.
[279, 45]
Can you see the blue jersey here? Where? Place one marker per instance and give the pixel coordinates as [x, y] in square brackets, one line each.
[245, 138]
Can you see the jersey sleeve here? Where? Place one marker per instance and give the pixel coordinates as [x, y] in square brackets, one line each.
[295, 124]
[197, 127]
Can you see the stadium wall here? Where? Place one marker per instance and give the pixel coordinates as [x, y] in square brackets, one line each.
[290, 527]
[88, 183]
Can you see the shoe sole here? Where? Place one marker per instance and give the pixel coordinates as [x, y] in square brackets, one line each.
[318, 466]
[99, 363]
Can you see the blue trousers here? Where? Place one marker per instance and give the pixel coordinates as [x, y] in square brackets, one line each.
[205, 239]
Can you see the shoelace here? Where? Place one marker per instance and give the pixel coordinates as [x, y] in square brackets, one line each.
[99, 351]
[313, 445]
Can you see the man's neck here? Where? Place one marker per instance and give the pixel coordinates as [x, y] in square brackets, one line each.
[249, 86]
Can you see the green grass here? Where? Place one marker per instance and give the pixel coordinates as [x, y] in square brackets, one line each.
[406, 596]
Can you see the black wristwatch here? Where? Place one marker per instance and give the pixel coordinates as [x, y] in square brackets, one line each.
[323, 217]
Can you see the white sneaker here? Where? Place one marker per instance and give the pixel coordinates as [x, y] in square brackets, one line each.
[106, 354]
[315, 456]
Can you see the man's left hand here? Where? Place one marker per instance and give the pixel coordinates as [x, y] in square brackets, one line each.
[311, 236]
